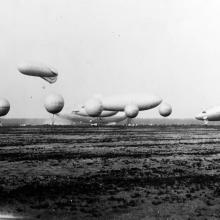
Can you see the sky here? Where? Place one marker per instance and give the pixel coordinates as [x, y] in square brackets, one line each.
[169, 48]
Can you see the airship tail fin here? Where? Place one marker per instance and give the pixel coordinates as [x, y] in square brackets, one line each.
[50, 79]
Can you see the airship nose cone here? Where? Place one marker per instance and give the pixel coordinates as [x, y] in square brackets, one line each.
[22, 67]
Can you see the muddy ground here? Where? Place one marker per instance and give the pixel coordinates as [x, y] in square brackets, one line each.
[153, 172]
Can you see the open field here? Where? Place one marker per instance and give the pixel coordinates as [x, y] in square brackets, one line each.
[151, 172]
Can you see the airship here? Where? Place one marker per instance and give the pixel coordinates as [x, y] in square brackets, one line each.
[82, 112]
[39, 70]
[109, 120]
[212, 114]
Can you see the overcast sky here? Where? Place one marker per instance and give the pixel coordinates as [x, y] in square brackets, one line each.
[170, 48]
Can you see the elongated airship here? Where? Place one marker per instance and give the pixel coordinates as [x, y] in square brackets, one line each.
[39, 70]
[212, 114]
[108, 120]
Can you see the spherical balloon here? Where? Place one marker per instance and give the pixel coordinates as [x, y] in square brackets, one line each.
[93, 107]
[131, 111]
[4, 107]
[54, 103]
[165, 109]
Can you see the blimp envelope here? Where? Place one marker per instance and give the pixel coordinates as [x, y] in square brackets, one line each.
[39, 70]
[82, 112]
[119, 102]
